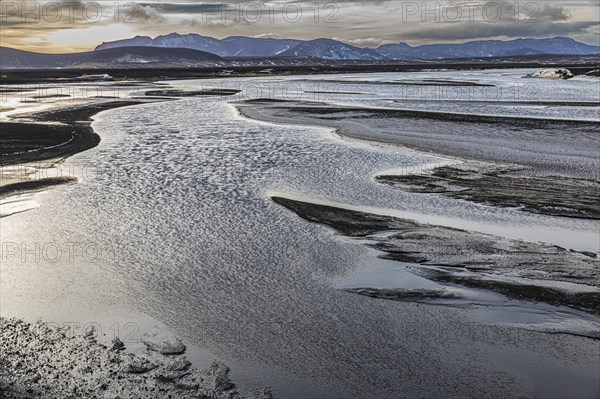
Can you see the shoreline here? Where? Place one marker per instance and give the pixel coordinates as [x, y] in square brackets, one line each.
[69, 129]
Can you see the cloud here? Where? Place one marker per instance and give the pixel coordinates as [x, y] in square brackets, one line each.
[147, 15]
[358, 22]
[270, 35]
[186, 8]
[363, 42]
[484, 30]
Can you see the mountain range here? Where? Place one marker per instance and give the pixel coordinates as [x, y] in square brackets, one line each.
[328, 49]
[192, 50]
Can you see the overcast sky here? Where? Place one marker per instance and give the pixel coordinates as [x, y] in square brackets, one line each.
[67, 26]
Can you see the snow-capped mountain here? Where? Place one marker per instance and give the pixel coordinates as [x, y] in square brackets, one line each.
[234, 46]
[328, 49]
[241, 46]
[488, 48]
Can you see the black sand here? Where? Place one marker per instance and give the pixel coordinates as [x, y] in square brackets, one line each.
[29, 142]
[459, 250]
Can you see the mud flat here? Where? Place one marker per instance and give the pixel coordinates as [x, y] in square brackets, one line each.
[40, 361]
[66, 131]
[523, 163]
[413, 295]
[518, 269]
[539, 145]
[505, 186]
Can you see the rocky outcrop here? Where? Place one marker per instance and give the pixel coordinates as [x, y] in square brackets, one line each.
[163, 342]
[40, 361]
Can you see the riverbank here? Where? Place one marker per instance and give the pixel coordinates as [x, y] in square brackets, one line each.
[269, 67]
[39, 140]
[536, 146]
[40, 360]
[516, 269]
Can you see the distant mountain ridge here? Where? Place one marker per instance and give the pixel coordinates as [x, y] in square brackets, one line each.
[233, 46]
[489, 48]
[110, 58]
[192, 50]
[329, 49]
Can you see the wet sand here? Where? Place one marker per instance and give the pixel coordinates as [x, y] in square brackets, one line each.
[505, 187]
[486, 258]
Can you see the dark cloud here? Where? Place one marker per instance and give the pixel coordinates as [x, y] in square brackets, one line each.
[359, 22]
[487, 30]
[186, 8]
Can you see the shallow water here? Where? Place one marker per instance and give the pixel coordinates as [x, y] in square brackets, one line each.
[171, 220]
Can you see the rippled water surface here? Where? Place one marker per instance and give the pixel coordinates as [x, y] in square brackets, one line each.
[171, 221]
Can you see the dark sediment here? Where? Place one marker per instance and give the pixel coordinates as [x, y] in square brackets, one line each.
[51, 96]
[28, 142]
[588, 301]
[404, 294]
[77, 113]
[182, 93]
[518, 102]
[33, 185]
[549, 195]
[348, 222]
[459, 251]
[514, 123]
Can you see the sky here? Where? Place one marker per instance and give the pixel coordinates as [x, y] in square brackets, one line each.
[79, 25]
